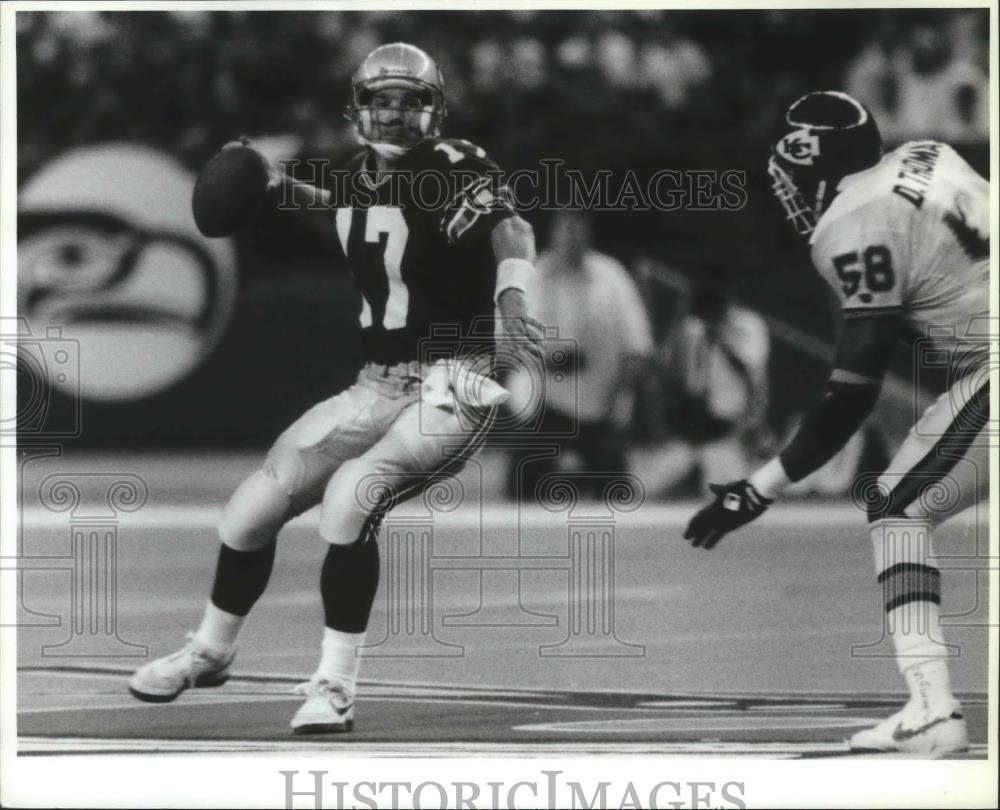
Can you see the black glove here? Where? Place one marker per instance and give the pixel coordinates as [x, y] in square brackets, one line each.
[735, 504]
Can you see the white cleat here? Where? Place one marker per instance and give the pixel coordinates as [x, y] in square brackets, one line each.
[913, 731]
[329, 708]
[162, 680]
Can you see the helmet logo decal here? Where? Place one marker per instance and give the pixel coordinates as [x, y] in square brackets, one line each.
[799, 147]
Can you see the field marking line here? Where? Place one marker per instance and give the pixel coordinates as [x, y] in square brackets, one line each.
[201, 516]
[29, 746]
[418, 749]
[697, 725]
[363, 698]
[112, 670]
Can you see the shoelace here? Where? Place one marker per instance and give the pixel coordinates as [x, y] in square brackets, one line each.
[321, 688]
[191, 648]
[905, 718]
[187, 648]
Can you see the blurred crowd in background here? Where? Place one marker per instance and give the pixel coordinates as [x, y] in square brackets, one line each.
[602, 90]
[591, 87]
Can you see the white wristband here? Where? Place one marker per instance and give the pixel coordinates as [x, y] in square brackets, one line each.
[513, 274]
[770, 479]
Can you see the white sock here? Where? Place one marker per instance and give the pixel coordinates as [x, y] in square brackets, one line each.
[338, 661]
[911, 586]
[930, 687]
[922, 657]
[218, 628]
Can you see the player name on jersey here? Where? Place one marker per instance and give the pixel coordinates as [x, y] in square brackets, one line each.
[916, 169]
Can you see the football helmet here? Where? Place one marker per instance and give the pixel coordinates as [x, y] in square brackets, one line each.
[822, 138]
[388, 124]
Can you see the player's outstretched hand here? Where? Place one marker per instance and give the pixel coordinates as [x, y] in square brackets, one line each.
[275, 174]
[735, 505]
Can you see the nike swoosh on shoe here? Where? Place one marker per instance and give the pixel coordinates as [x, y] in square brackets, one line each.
[901, 734]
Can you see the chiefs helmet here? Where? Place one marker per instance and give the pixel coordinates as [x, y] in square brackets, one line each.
[400, 66]
[823, 137]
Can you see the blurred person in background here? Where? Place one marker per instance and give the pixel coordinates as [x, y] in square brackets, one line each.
[714, 373]
[942, 93]
[674, 65]
[924, 83]
[592, 301]
[872, 77]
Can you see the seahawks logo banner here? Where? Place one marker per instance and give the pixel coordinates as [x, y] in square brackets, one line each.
[109, 255]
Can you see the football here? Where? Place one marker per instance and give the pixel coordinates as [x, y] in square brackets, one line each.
[229, 190]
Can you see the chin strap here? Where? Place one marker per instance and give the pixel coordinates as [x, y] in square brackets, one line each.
[820, 199]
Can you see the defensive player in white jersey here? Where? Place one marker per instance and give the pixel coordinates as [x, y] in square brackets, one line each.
[904, 241]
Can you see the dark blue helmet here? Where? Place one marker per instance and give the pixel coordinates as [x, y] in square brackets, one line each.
[822, 138]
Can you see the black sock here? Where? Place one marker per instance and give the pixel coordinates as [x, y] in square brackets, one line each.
[348, 583]
[241, 577]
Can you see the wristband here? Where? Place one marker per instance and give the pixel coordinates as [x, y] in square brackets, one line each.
[512, 274]
[770, 479]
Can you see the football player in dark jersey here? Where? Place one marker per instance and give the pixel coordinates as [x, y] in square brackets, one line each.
[434, 246]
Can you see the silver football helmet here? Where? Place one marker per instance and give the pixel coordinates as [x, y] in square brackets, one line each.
[392, 122]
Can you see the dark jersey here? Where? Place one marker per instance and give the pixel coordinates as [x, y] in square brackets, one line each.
[417, 241]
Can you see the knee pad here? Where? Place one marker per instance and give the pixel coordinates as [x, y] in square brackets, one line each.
[255, 513]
